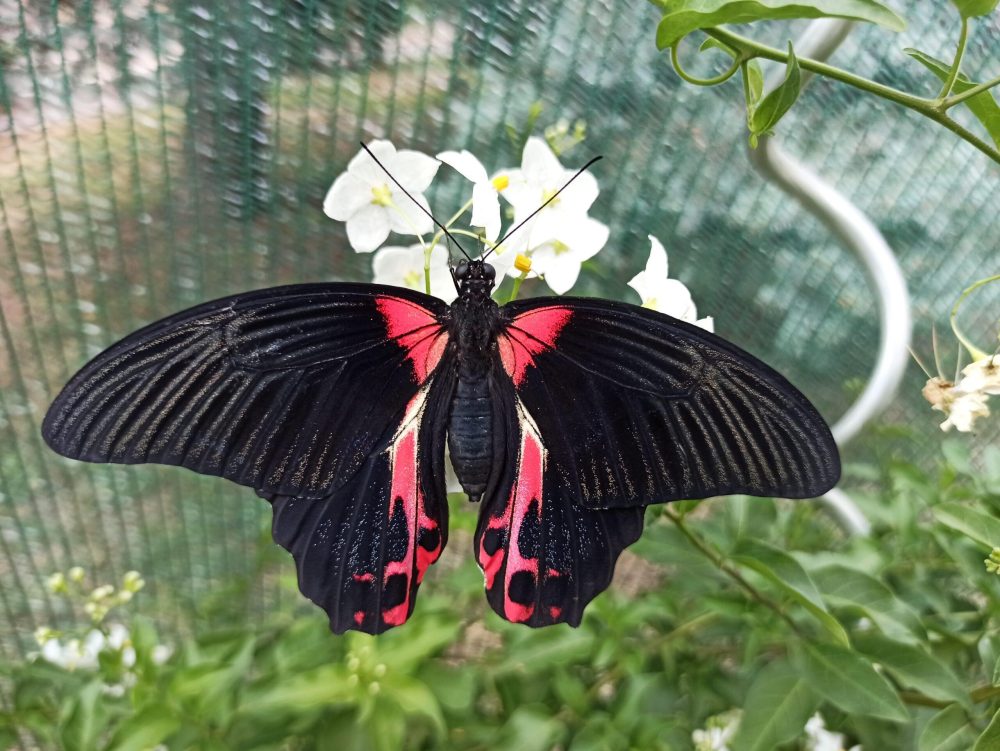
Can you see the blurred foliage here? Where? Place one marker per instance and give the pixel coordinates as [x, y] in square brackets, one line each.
[755, 604]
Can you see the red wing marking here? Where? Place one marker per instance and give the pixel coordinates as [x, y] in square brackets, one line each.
[525, 498]
[529, 334]
[417, 330]
[406, 497]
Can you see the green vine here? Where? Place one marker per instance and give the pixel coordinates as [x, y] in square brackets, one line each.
[744, 51]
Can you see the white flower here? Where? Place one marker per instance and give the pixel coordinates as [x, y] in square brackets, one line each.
[982, 375]
[964, 411]
[370, 202]
[961, 408]
[719, 730]
[404, 267]
[485, 192]
[663, 294]
[818, 738]
[561, 236]
[559, 260]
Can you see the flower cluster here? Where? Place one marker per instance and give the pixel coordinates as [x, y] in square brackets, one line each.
[102, 646]
[965, 401]
[553, 235]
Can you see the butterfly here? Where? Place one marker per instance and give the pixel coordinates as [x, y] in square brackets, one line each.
[564, 417]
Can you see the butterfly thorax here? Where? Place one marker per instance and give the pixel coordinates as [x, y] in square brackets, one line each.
[470, 427]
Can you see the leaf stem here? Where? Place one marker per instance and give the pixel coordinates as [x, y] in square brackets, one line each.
[517, 286]
[721, 78]
[956, 65]
[723, 565]
[933, 109]
[969, 93]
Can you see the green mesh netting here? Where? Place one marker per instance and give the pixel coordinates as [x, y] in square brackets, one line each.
[158, 154]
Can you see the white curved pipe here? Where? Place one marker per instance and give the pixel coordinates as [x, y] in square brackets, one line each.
[859, 235]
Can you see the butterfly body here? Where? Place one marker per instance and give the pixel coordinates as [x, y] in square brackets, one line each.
[473, 329]
[565, 417]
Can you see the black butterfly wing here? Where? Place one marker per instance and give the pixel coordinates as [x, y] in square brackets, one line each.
[330, 400]
[362, 551]
[636, 407]
[286, 390]
[543, 555]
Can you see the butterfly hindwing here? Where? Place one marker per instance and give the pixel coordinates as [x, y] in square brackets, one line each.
[286, 390]
[543, 556]
[636, 407]
[362, 551]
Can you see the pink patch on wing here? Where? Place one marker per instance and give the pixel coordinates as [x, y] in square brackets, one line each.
[407, 498]
[528, 335]
[527, 490]
[417, 330]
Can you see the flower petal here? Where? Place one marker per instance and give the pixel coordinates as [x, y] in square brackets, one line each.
[465, 164]
[656, 266]
[414, 170]
[562, 275]
[346, 197]
[407, 219]
[368, 228]
[540, 166]
[364, 167]
[404, 267]
[486, 209]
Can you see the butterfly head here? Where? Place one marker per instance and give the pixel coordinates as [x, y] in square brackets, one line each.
[474, 279]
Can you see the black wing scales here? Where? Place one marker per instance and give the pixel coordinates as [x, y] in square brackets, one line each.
[330, 400]
[285, 390]
[637, 408]
[543, 555]
[362, 551]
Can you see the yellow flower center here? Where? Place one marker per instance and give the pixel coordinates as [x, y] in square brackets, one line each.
[413, 279]
[650, 303]
[500, 182]
[547, 194]
[522, 263]
[381, 195]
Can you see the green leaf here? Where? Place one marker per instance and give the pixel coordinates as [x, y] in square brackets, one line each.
[849, 681]
[990, 739]
[984, 106]
[913, 667]
[145, 729]
[972, 523]
[973, 8]
[774, 106]
[777, 706]
[681, 17]
[784, 571]
[84, 719]
[948, 730]
[842, 585]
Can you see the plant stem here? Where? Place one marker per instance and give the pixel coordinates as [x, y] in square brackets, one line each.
[715, 557]
[969, 93]
[517, 286]
[933, 109]
[956, 65]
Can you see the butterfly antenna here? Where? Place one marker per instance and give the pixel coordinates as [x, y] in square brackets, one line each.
[550, 199]
[418, 205]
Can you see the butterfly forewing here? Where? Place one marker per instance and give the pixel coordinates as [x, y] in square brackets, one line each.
[286, 390]
[636, 408]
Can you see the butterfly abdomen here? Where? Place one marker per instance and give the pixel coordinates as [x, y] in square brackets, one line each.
[470, 433]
